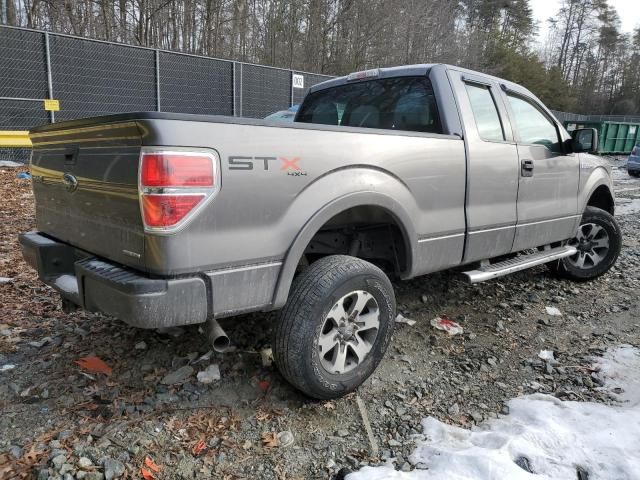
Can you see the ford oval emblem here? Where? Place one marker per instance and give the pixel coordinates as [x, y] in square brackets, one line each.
[70, 182]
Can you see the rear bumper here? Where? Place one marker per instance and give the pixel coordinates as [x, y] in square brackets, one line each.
[633, 164]
[100, 286]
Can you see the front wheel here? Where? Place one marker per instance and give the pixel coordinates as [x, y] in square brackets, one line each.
[335, 327]
[598, 241]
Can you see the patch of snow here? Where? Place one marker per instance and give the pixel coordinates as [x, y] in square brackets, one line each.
[5, 280]
[630, 189]
[546, 355]
[408, 321]
[621, 175]
[10, 163]
[620, 367]
[210, 374]
[556, 437]
[626, 206]
[7, 367]
[67, 283]
[553, 311]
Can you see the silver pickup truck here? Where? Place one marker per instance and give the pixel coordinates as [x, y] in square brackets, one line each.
[164, 219]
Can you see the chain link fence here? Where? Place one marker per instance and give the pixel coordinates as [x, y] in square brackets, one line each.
[195, 85]
[264, 90]
[94, 77]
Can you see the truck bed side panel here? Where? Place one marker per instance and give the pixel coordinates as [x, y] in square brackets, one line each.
[275, 178]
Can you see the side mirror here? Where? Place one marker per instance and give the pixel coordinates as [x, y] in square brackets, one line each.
[585, 140]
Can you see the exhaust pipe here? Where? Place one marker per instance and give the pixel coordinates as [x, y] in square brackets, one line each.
[217, 337]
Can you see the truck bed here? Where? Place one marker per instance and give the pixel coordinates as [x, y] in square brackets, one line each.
[270, 186]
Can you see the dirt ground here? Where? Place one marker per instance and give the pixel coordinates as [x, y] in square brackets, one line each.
[58, 420]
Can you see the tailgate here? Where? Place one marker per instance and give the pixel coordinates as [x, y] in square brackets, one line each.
[85, 182]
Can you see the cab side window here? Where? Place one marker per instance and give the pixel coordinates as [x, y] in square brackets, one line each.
[485, 112]
[400, 103]
[534, 128]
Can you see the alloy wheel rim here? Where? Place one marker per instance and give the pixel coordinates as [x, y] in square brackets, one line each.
[348, 332]
[592, 242]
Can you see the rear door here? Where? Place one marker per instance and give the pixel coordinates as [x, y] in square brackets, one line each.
[548, 178]
[492, 166]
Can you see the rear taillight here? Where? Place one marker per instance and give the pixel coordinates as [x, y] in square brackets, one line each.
[167, 210]
[174, 184]
[634, 152]
[176, 170]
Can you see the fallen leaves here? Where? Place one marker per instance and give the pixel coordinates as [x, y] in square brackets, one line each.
[264, 414]
[329, 405]
[91, 390]
[280, 472]
[269, 440]
[148, 473]
[198, 448]
[148, 461]
[33, 455]
[94, 365]
[21, 468]
[10, 468]
[24, 301]
[196, 431]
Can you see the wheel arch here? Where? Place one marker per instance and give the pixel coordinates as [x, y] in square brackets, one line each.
[602, 198]
[373, 199]
[596, 190]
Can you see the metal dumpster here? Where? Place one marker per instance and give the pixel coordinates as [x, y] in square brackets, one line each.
[615, 137]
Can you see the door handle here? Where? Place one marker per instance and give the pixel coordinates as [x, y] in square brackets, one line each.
[527, 168]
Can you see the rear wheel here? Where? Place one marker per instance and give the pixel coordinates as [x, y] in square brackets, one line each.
[335, 327]
[634, 173]
[598, 241]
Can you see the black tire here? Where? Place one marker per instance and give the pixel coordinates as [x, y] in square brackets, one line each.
[634, 173]
[566, 267]
[312, 300]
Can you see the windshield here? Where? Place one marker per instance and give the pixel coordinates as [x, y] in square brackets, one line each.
[402, 103]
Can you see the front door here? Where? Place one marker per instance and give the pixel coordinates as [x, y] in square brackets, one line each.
[549, 178]
[492, 167]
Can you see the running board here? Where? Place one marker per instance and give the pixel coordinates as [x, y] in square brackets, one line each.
[494, 270]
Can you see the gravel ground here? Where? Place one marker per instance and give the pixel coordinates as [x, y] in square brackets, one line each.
[151, 412]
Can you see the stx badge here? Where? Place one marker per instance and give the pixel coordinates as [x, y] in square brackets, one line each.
[289, 165]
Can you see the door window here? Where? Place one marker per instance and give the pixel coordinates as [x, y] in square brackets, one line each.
[534, 128]
[485, 112]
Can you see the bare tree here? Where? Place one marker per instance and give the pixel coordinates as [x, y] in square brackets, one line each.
[586, 55]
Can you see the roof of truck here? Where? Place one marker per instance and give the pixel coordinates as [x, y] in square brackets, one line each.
[400, 71]
[415, 70]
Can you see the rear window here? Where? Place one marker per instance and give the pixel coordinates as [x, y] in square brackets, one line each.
[402, 103]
